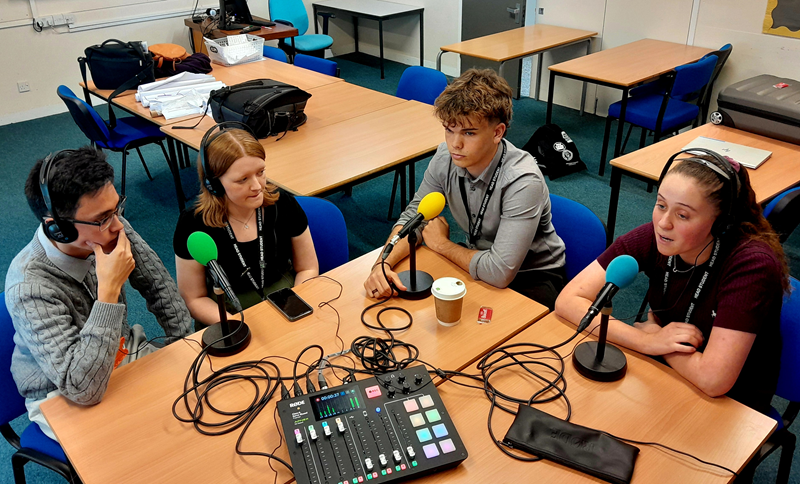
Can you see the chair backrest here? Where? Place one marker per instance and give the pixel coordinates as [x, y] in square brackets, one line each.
[84, 116]
[722, 56]
[789, 378]
[13, 405]
[275, 53]
[783, 213]
[693, 77]
[328, 230]
[292, 11]
[582, 231]
[421, 84]
[323, 66]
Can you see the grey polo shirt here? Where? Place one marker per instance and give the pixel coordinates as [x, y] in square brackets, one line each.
[516, 234]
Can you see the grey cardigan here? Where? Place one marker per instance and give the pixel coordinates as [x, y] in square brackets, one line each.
[64, 338]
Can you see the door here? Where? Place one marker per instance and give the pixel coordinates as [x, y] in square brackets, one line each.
[485, 17]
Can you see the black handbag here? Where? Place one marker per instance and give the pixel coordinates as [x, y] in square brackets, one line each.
[268, 107]
[581, 448]
[117, 65]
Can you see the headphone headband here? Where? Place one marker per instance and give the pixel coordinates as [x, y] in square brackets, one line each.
[727, 175]
[212, 183]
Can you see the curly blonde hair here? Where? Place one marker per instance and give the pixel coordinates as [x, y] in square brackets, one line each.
[477, 92]
[222, 152]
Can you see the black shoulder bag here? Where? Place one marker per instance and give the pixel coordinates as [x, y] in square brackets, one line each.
[117, 65]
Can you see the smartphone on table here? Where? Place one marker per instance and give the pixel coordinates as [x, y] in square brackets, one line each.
[289, 304]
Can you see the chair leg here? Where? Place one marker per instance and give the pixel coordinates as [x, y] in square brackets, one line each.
[606, 135]
[394, 193]
[18, 464]
[643, 139]
[186, 155]
[627, 136]
[144, 164]
[785, 465]
[124, 168]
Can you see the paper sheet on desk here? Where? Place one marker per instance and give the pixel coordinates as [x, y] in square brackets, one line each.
[178, 79]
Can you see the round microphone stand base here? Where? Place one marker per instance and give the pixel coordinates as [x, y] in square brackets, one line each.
[218, 345]
[611, 368]
[418, 290]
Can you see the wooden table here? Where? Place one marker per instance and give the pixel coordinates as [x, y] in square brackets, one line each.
[651, 403]
[230, 75]
[518, 43]
[377, 10]
[132, 436]
[207, 28]
[775, 175]
[624, 67]
[323, 157]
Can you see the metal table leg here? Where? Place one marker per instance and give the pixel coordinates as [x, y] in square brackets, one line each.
[583, 94]
[176, 176]
[540, 60]
[380, 34]
[613, 202]
[355, 31]
[550, 90]
[421, 40]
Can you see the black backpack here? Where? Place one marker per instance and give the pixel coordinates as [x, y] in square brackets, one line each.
[554, 151]
[268, 107]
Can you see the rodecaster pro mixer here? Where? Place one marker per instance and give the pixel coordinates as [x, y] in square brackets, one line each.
[381, 429]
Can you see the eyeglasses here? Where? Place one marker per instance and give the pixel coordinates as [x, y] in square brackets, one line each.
[106, 222]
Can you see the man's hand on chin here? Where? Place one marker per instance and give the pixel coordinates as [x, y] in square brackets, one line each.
[436, 234]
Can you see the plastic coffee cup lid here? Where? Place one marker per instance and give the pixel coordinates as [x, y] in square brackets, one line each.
[448, 289]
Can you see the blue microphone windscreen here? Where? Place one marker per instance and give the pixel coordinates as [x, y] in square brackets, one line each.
[622, 271]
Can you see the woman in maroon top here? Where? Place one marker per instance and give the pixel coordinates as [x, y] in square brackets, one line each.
[717, 276]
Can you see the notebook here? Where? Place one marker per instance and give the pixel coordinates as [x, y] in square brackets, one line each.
[745, 155]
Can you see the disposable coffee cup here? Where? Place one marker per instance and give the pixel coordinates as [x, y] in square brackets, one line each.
[448, 294]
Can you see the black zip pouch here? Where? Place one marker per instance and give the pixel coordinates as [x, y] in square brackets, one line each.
[581, 448]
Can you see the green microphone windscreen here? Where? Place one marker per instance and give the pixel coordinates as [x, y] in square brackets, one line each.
[202, 247]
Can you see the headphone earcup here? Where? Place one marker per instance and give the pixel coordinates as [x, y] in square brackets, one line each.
[63, 232]
[214, 186]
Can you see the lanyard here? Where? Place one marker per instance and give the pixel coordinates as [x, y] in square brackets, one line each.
[475, 229]
[261, 263]
[696, 295]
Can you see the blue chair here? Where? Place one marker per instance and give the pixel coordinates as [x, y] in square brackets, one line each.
[421, 84]
[129, 133]
[293, 13]
[783, 212]
[788, 386]
[323, 66]
[703, 96]
[663, 113]
[583, 233]
[275, 53]
[33, 445]
[328, 230]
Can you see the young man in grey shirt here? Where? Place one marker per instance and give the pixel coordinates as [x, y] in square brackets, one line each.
[515, 244]
[65, 292]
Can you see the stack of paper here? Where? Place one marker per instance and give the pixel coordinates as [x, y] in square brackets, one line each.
[181, 95]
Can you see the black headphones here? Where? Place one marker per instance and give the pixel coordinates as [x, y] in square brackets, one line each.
[212, 184]
[57, 229]
[727, 218]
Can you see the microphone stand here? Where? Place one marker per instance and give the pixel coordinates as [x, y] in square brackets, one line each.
[418, 283]
[597, 360]
[219, 338]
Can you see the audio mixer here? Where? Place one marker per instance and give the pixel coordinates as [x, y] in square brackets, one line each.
[382, 429]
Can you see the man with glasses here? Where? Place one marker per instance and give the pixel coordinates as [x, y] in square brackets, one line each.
[64, 290]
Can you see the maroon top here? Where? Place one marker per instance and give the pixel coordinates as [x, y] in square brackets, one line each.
[744, 293]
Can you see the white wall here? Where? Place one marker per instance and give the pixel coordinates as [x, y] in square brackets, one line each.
[739, 22]
[718, 22]
[49, 59]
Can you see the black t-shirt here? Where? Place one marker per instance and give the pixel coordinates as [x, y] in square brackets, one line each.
[281, 221]
[744, 294]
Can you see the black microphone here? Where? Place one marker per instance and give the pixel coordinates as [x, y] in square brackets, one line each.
[429, 207]
[620, 273]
